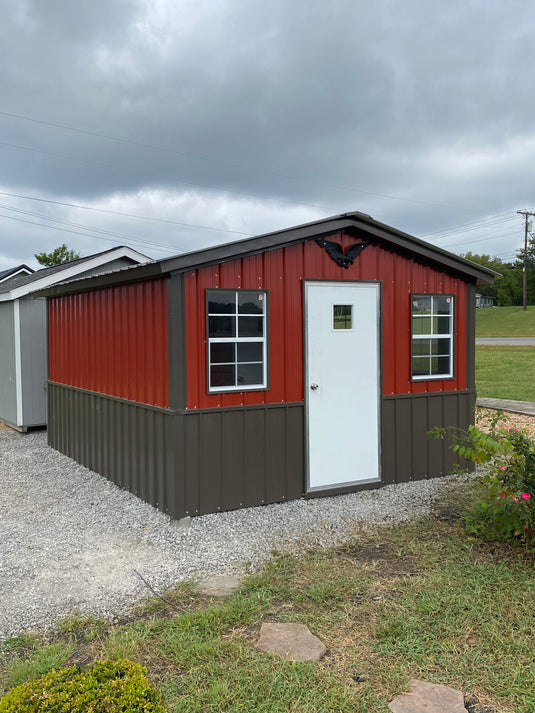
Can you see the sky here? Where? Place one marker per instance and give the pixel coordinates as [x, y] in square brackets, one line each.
[172, 125]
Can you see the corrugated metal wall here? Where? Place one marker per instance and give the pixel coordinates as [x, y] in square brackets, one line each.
[407, 452]
[184, 464]
[128, 443]
[8, 386]
[282, 272]
[113, 341]
[206, 461]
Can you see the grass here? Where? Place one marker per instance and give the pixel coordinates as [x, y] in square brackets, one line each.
[505, 372]
[505, 322]
[424, 600]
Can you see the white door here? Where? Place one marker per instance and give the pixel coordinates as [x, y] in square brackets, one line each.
[342, 387]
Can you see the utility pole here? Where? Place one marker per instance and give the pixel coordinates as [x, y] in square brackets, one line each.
[525, 213]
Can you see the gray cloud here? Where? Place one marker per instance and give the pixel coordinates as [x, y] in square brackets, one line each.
[418, 113]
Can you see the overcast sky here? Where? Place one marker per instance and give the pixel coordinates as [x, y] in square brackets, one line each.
[170, 125]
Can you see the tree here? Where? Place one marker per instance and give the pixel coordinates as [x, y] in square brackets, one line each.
[507, 289]
[57, 256]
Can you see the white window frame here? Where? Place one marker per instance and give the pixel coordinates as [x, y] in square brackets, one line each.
[237, 340]
[427, 337]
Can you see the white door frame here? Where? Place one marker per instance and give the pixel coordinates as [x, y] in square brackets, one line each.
[345, 481]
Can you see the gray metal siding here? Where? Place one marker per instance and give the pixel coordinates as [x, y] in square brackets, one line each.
[8, 386]
[196, 462]
[33, 345]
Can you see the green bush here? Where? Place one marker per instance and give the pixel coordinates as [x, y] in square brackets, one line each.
[507, 508]
[107, 687]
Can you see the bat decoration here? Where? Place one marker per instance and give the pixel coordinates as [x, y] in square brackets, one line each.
[336, 251]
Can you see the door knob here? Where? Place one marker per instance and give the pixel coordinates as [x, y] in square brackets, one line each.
[314, 386]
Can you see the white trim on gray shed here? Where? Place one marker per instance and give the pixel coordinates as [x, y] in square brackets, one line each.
[23, 332]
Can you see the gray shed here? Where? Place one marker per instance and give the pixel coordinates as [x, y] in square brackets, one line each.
[23, 331]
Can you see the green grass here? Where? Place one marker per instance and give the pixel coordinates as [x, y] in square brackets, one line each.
[424, 600]
[505, 322]
[505, 372]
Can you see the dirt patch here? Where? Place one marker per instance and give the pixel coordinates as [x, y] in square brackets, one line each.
[385, 562]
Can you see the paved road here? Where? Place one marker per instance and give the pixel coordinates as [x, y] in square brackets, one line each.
[513, 341]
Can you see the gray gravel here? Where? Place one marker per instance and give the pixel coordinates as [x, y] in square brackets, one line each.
[71, 541]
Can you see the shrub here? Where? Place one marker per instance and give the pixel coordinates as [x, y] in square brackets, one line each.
[507, 508]
[107, 687]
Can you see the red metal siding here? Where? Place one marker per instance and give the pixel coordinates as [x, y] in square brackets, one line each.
[113, 341]
[282, 272]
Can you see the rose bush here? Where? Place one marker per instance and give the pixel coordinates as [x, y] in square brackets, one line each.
[506, 509]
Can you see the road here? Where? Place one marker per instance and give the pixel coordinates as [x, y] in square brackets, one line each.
[512, 341]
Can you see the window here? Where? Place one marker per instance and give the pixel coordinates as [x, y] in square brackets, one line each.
[432, 337]
[342, 316]
[237, 342]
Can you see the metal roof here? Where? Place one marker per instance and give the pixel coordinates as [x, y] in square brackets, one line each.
[15, 271]
[356, 223]
[24, 284]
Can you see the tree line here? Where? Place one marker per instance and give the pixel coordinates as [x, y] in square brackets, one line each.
[507, 289]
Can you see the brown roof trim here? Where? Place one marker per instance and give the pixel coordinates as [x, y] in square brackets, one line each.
[354, 223]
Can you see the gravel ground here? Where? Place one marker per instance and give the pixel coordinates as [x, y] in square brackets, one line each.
[72, 542]
[515, 420]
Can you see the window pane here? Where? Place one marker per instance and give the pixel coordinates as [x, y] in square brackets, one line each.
[222, 326]
[222, 353]
[222, 375]
[250, 374]
[443, 325]
[420, 366]
[421, 325]
[250, 326]
[250, 351]
[342, 316]
[221, 303]
[251, 302]
[443, 365]
[421, 305]
[421, 347]
[443, 305]
[441, 347]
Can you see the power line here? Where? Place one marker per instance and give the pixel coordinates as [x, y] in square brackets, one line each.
[480, 240]
[64, 230]
[207, 159]
[479, 224]
[98, 231]
[102, 164]
[126, 215]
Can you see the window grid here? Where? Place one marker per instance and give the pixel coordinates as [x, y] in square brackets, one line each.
[237, 343]
[342, 317]
[432, 337]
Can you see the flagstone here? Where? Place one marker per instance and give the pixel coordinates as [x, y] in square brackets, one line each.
[291, 641]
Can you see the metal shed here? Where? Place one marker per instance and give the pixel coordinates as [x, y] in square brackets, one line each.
[23, 331]
[306, 362]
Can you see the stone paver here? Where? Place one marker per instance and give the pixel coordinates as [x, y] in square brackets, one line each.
[427, 697]
[291, 641]
[219, 586]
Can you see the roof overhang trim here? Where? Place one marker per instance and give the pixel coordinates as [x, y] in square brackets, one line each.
[39, 287]
[356, 224]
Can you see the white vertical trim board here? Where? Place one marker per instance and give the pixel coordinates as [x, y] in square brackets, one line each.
[18, 360]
